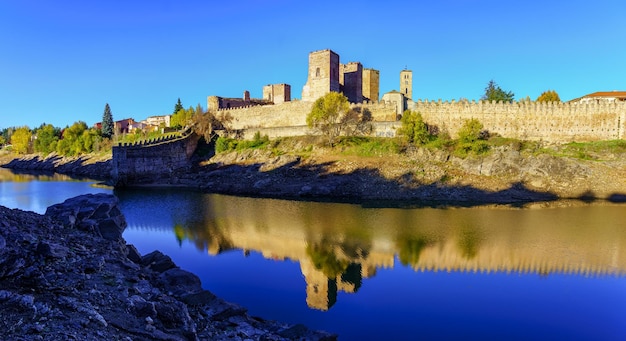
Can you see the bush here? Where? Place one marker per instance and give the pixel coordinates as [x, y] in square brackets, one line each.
[413, 129]
[224, 144]
[472, 139]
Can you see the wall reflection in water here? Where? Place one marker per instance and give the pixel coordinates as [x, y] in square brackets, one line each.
[338, 245]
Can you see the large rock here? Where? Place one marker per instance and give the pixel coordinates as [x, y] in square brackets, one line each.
[91, 211]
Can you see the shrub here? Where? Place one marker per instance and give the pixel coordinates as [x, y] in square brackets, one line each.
[413, 129]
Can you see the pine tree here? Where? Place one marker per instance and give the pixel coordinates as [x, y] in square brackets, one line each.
[107, 122]
[178, 107]
[493, 92]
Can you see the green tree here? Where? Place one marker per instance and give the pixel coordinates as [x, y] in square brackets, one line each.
[46, 139]
[182, 118]
[78, 139]
[178, 107]
[549, 96]
[327, 114]
[3, 141]
[21, 140]
[413, 129]
[107, 122]
[493, 92]
[472, 137]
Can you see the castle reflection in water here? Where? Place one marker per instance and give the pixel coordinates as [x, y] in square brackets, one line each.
[338, 245]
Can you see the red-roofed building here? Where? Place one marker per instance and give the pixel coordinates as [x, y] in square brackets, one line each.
[602, 96]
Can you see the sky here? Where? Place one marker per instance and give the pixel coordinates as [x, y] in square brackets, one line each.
[61, 61]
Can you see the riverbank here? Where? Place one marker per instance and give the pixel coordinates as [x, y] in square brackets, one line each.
[69, 274]
[297, 170]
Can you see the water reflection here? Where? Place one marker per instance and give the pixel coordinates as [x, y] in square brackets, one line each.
[339, 245]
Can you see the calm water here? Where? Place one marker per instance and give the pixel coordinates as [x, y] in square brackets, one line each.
[384, 273]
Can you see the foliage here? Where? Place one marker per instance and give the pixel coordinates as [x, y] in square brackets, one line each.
[493, 92]
[182, 118]
[47, 137]
[107, 122]
[206, 123]
[225, 144]
[472, 138]
[327, 115]
[178, 107]
[21, 140]
[413, 129]
[596, 150]
[78, 139]
[369, 146]
[549, 96]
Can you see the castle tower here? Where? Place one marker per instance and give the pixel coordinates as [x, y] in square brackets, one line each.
[371, 84]
[277, 93]
[351, 81]
[323, 75]
[406, 83]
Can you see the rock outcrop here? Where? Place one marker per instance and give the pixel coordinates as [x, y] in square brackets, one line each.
[82, 166]
[69, 275]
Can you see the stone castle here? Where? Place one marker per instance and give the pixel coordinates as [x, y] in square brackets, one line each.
[276, 115]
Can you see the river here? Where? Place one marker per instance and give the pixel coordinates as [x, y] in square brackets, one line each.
[542, 272]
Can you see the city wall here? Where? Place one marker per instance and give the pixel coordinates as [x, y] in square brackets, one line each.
[550, 122]
[145, 161]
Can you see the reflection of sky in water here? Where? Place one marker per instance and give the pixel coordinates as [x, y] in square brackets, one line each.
[396, 301]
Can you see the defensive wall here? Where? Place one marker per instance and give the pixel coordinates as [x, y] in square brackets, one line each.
[550, 122]
[145, 161]
[547, 121]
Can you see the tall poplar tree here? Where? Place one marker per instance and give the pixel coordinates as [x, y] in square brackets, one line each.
[107, 122]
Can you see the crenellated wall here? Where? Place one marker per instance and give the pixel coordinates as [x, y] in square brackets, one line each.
[551, 121]
[146, 161]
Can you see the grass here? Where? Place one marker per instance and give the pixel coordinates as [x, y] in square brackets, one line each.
[362, 146]
[596, 150]
[368, 146]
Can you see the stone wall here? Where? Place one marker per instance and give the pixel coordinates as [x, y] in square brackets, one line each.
[138, 163]
[552, 122]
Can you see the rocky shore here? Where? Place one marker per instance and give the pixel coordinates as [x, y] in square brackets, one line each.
[421, 176]
[93, 167]
[69, 275]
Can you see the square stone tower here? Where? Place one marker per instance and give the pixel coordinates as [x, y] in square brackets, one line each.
[351, 77]
[406, 83]
[323, 75]
[277, 93]
[371, 84]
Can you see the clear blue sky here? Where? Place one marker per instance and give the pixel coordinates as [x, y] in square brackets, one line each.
[61, 61]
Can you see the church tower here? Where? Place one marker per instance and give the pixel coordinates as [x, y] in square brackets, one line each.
[406, 83]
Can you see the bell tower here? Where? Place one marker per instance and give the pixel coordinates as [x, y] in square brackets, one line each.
[406, 83]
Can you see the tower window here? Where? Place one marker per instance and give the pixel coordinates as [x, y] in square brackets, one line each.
[317, 72]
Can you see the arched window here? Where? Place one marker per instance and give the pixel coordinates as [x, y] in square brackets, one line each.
[317, 72]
